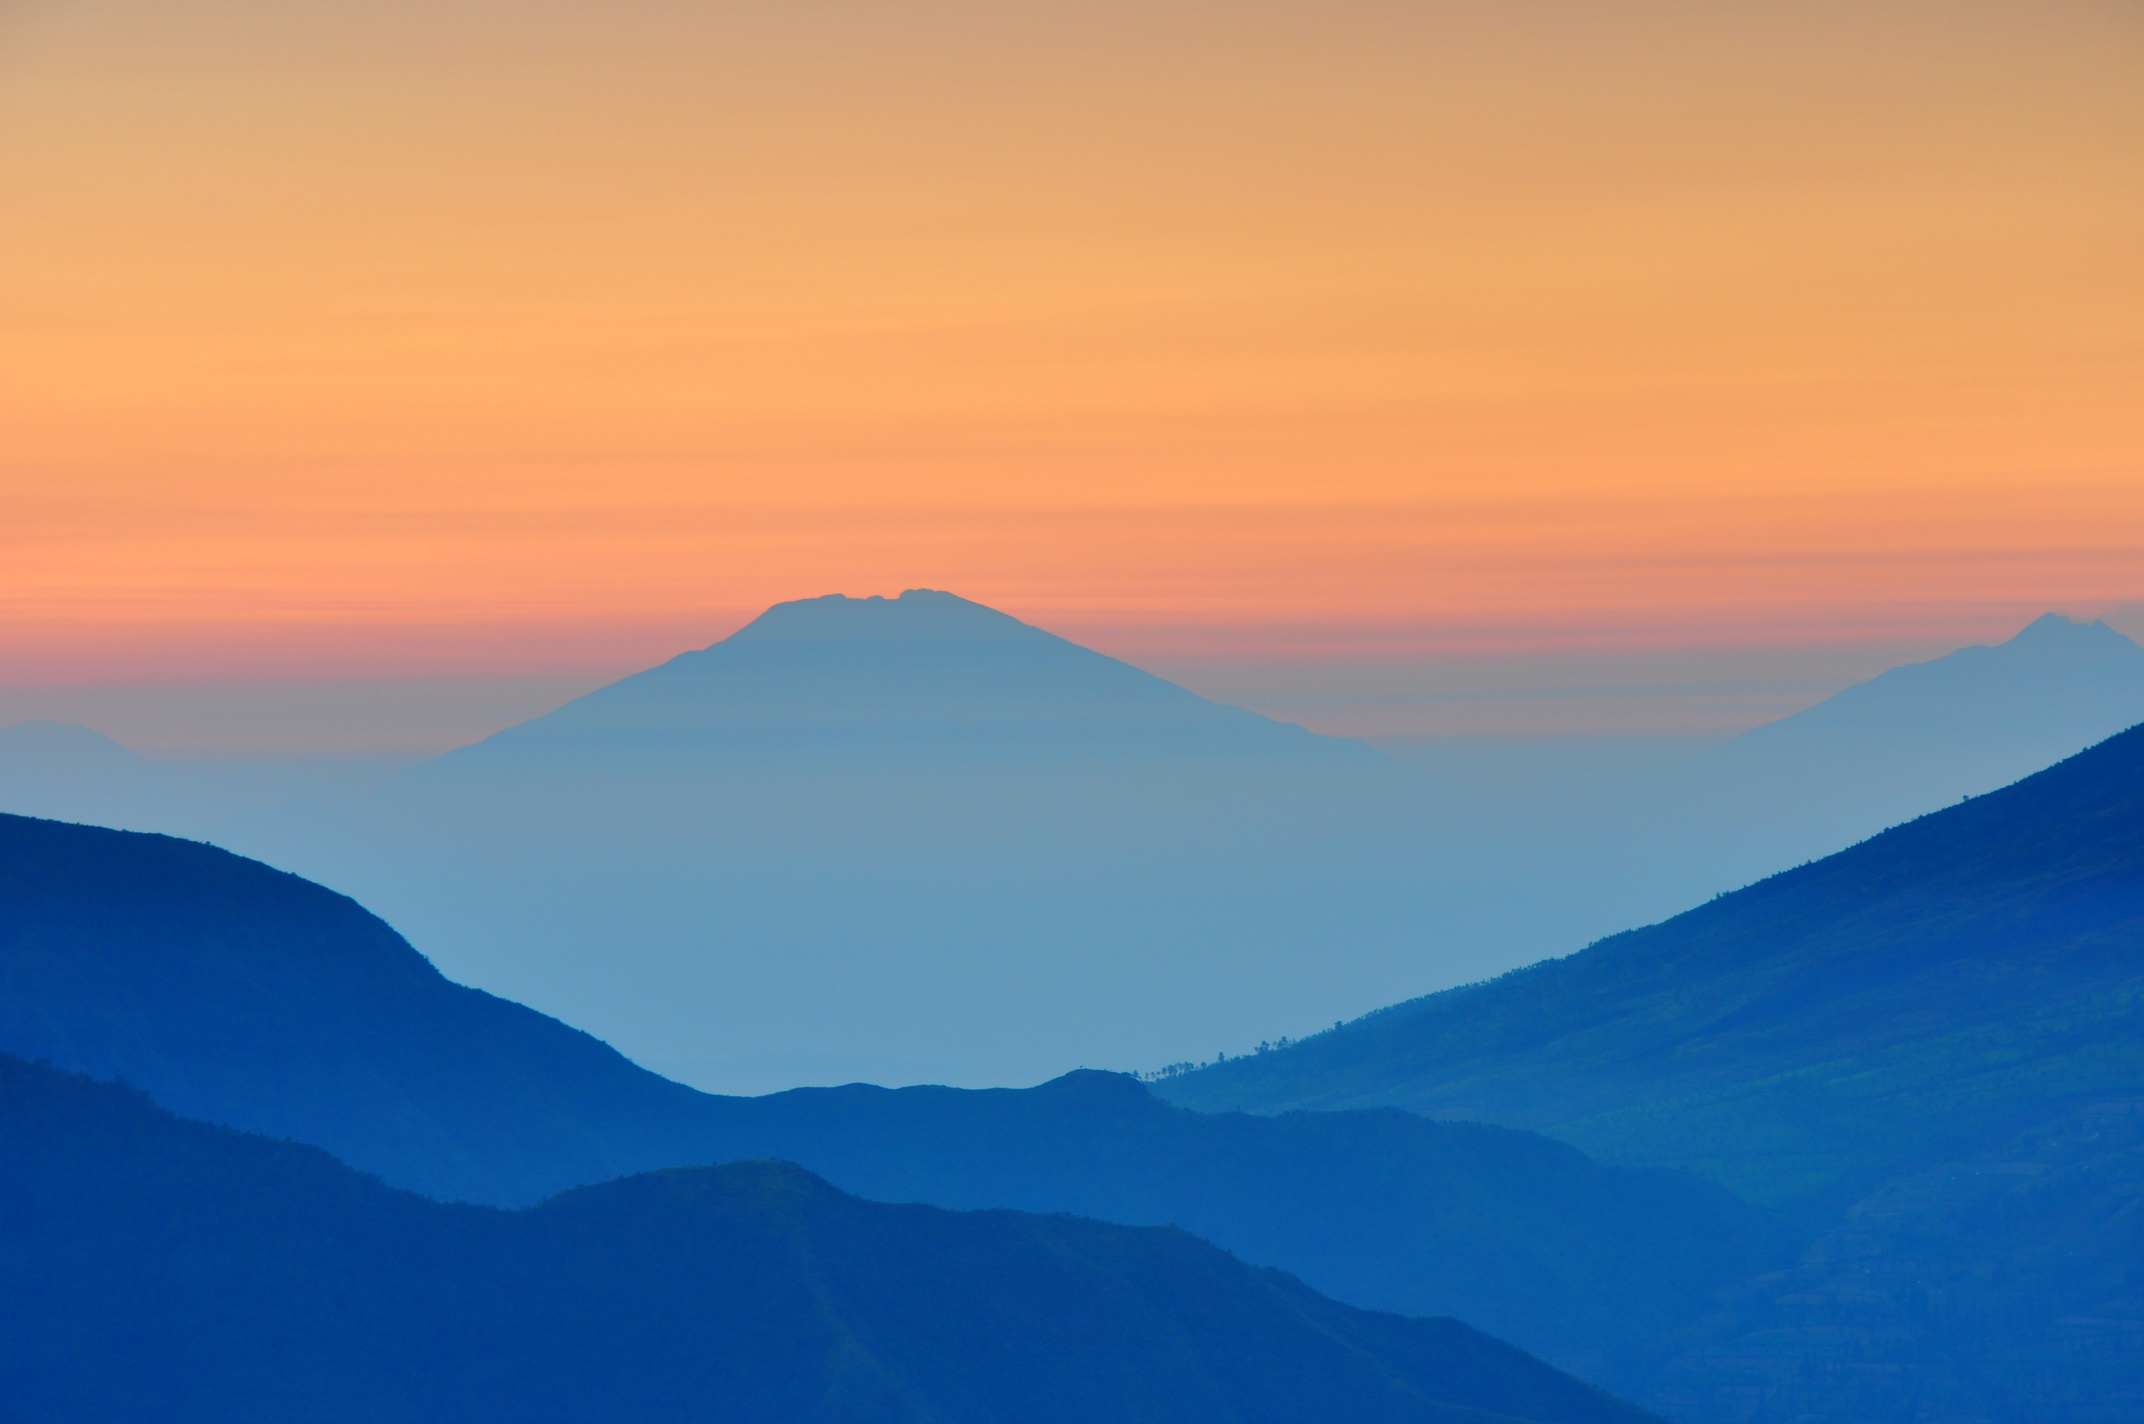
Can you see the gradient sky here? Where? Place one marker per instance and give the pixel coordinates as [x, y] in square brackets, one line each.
[535, 342]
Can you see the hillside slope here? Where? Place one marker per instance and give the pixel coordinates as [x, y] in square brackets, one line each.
[1938, 988]
[2001, 1286]
[1526, 1238]
[157, 1268]
[246, 996]
[243, 995]
[1928, 1050]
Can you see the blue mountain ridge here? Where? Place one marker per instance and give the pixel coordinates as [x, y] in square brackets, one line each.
[152, 1267]
[243, 995]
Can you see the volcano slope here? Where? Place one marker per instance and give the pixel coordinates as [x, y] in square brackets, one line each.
[896, 839]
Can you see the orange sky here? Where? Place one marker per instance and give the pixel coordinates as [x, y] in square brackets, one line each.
[549, 338]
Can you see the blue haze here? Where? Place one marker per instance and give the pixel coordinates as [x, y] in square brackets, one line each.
[914, 840]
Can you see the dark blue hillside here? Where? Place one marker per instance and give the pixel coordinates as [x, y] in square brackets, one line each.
[155, 1268]
[1520, 1235]
[246, 996]
[1928, 1048]
[240, 994]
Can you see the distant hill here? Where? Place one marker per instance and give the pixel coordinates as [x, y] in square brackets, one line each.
[247, 996]
[49, 768]
[1942, 985]
[1921, 736]
[1526, 1238]
[1572, 839]
[152, 1267]
[59, 748]
[68, 772]
[1991, 701]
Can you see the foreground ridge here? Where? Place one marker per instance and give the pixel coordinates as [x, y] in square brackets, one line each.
[155, 1267]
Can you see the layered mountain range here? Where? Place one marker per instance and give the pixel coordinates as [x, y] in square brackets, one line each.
[152, 1267]
[246, 996]
[1859, 1141]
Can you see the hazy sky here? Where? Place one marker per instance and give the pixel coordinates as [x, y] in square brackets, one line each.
[534, 342]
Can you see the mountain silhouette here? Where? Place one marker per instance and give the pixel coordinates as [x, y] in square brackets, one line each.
[154, 1267]
[59, 748]
[1568, 840]
[69, 772]
[243, 995]
[1989, 695]
[1921, 736]
[925, 675]
[64, 768]
[907, 839]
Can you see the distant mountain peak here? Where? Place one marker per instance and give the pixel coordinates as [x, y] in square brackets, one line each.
[928, 673]
[2052, 628]
[918, 615]
[2060, 683]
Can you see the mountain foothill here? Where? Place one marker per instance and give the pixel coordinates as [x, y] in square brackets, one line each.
[1859, 1141]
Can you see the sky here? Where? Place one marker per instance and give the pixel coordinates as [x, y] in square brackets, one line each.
[374, 375]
